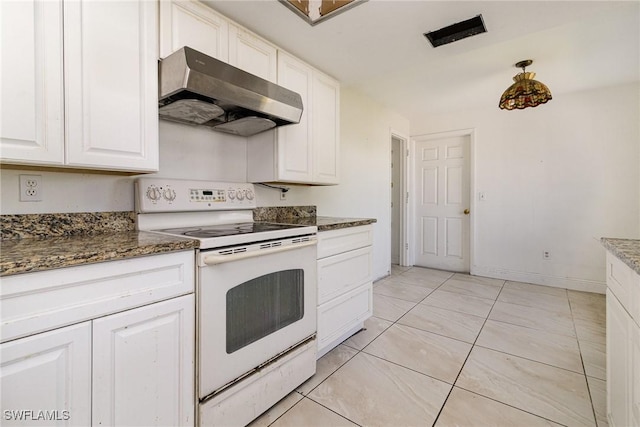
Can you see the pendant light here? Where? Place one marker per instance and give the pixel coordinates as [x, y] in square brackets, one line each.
[525, 92]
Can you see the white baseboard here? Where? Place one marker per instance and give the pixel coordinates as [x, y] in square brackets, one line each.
[541, 279]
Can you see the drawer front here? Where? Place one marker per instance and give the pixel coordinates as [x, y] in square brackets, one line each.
[341, 273]
[625, 285]
[341, 314]
[35, 302]
[334, 242]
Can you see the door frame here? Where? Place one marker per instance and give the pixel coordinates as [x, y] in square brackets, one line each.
[411, 217]
[404, 191]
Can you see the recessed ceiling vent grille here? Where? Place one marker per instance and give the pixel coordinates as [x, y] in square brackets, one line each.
[456, 32]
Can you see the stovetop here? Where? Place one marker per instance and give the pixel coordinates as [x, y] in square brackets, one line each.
[218, 214]
[221, 230]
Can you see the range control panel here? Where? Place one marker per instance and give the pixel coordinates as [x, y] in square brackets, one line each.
[173, 195]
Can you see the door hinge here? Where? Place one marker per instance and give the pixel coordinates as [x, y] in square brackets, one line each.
[407, 200]
[407, 152]
[406, 246]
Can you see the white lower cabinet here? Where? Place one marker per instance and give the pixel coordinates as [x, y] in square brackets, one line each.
[46, 378]
[132, 364]
[143, 365]
[623, 344]
[344, 284]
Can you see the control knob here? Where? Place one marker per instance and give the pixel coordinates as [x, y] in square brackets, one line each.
[154, 193]
[240, 195]
[231, 194]
[169, 194]
[250, 195]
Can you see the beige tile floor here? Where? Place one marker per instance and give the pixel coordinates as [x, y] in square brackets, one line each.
[449, 349]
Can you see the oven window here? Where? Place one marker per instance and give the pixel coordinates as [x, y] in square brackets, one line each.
[262, 306]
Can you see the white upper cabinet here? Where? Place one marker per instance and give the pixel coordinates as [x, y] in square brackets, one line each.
[252, 54]
[32, 120]
[307, 152]
[111, 84]
[192, 24]
[107, 118]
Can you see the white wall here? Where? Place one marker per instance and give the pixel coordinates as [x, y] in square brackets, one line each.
[557, 177]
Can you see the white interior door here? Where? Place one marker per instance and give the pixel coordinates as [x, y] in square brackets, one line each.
[442, 202]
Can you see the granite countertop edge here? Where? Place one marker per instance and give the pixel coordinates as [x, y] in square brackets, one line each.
[45, 252]
[626, 250]
[33, 255]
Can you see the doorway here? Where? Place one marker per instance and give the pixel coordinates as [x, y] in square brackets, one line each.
[398, 188]
[443, 203]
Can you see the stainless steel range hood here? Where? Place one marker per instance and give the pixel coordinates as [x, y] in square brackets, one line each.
[200, 90]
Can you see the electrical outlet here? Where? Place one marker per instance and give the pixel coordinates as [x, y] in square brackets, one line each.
[283, 195]
[546, 255]
[482, 196]
[30, 188]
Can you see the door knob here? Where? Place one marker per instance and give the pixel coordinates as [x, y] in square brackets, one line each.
[467, 211]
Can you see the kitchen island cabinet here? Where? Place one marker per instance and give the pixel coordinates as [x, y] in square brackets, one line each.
[623, 332]
[345, 284]
[108, 343]
[80, 85]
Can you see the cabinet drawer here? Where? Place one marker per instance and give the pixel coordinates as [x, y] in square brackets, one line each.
[340, 273]
[345, 239]
[340, 314]
[624, 283]
[35, 302]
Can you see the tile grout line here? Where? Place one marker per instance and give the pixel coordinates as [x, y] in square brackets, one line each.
[467, 358]
[584, 369]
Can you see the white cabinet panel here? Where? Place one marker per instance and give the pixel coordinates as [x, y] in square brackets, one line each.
[48, 372]
[341, 273]
[31, 122]
[341, 315]
[326, 129]
[252, 54]
[294, 141]
[143, 365]
[44, 300]
[307, 152]
[111, 84]
[345, 284]
[192, 24]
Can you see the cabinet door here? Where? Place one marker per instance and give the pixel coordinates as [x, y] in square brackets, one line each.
[634, 366]
[143, 365]
[252, 54]
[326, 129]
[31, 125]
[47, 377]
[111, 85]
[192, 24]
[618, 363]
[295, 155]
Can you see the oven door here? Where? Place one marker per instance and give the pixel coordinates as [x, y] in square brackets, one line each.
[251, 308]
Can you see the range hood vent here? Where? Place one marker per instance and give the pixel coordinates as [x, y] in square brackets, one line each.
[197, 89]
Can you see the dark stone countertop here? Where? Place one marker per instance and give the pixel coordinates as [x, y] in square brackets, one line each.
[626, 250]
[326, 223]
[29, 255]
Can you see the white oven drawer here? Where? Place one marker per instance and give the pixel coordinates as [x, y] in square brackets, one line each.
[340, 273]
[45, 300]
[343, 313]
[334, 242]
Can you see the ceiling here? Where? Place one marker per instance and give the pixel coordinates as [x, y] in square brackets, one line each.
[378, 47]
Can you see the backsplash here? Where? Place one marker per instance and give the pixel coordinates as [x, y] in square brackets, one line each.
[65, 224]
[282, 213]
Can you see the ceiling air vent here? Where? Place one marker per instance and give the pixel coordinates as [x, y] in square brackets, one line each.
[456, 32]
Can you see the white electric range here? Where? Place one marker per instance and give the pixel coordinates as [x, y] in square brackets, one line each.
[255, 293]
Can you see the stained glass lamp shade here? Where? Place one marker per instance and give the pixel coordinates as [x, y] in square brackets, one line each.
[525, 92]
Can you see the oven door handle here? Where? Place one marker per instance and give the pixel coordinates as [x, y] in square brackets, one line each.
[220, 259]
